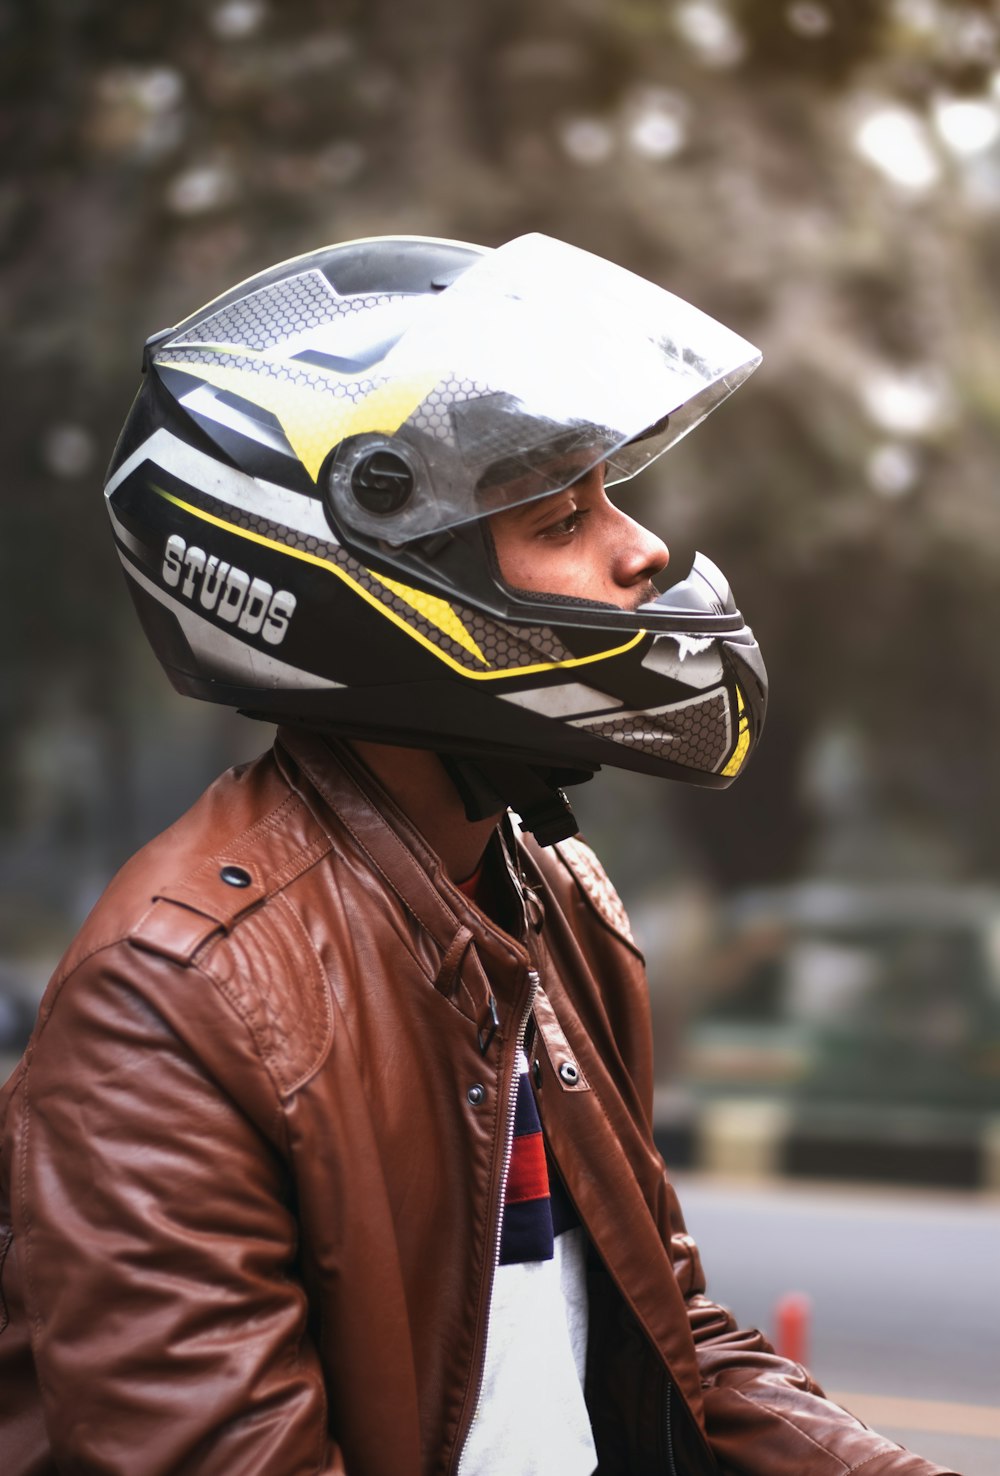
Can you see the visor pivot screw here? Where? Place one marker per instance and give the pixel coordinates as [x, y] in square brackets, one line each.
[382, 482]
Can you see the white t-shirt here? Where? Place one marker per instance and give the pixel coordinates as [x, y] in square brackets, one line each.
[531, 1418]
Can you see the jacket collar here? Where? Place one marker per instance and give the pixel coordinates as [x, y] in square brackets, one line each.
[338, 788]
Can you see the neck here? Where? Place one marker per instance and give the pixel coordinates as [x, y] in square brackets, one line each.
[417, 781]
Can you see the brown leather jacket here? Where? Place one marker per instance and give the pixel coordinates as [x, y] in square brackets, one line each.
[252, 1162]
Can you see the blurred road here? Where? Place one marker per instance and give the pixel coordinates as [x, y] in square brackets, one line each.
[905, 1293]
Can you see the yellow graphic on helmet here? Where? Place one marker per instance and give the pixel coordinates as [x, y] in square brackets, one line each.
[735, 764]
[314, 416]
[435, 610]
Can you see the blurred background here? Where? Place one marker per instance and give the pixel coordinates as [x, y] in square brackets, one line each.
[823, 940]
[825, 178]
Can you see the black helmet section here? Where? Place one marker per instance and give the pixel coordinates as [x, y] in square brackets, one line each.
[257, 497]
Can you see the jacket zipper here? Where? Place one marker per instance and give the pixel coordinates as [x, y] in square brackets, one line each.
[668, 1431]
[533, 983]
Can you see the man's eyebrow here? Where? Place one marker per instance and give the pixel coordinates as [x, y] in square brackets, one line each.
[538, 508]
[567, 475]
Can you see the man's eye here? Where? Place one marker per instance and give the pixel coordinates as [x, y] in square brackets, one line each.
[569, 524]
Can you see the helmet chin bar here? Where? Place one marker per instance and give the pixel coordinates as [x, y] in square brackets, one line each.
[487, 787]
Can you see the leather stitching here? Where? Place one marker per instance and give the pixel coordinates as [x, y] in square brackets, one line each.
[324, 990]
[887, 1449]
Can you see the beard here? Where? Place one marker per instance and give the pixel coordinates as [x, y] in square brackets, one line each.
[645, 595]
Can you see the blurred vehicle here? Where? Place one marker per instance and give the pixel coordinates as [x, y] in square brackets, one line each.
[21, 986]
[831, 992]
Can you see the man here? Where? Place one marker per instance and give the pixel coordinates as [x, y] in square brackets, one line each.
[332, 1150]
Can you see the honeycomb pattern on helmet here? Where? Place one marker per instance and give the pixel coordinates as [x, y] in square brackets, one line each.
[434, 414]
[492, 426]
[267, 317]
[461, 412]
[464, 413]
[502, 648]
[696, 734]
[285, 371]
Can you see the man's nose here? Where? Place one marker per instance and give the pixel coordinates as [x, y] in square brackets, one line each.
[642, 555]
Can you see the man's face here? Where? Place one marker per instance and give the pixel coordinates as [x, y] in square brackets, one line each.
[578, 543]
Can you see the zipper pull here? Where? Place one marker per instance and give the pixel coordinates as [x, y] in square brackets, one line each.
[489, 1024]
[533, 910]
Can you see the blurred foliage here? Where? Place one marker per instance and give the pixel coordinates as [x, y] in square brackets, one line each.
[825, 177]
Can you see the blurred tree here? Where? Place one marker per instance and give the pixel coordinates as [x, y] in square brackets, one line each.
[823, 176]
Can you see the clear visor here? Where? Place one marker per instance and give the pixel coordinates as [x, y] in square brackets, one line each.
[539, 362]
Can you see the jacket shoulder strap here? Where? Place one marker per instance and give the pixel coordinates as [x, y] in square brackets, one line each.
[213, 897]
[596, 886]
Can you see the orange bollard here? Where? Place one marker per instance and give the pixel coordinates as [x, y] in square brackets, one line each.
[791, 1320]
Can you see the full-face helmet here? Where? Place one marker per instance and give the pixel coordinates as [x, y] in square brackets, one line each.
[301, 499]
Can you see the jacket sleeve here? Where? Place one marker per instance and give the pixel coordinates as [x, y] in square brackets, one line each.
[152, 1222]
[764, 1415]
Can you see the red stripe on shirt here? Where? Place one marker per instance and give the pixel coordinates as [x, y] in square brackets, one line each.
[528, 1177]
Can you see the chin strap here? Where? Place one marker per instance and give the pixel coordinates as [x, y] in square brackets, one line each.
[487, 786]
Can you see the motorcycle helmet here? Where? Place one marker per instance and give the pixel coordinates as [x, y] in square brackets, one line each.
[302, 492]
